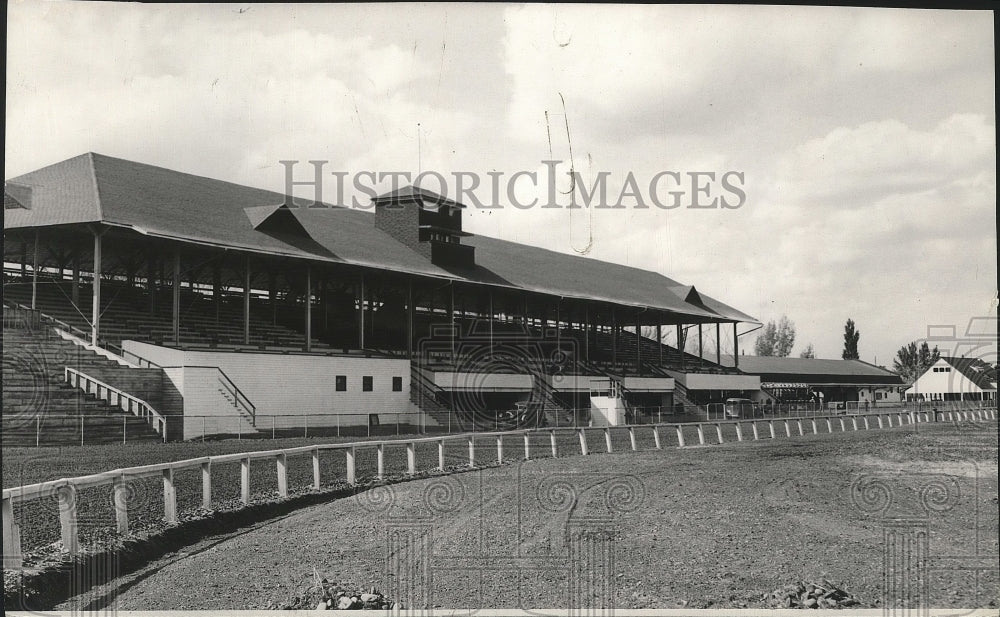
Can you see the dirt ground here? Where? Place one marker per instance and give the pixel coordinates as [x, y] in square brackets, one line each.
[700, 527]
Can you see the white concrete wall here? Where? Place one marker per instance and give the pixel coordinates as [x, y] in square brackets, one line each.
[606, 411]
[284, 384]
[483, 382]
[706, 381]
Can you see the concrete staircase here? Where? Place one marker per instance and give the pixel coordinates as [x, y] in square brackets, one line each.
[40, 408]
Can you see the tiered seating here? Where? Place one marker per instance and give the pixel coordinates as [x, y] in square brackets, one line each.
[653, 358]
[39, 407]
[126, 314]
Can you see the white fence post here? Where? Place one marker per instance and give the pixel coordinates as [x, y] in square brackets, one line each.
[631, 437]
[411, 458]
[527, 445]
[441, 455]
[349, 456]
[67, 519]
[121, 504]
[770, 426]
[701, 435]
[583, 442]
[656, 437]
[315, 460]
[169, 496]
[607, 439]
[472, 450]
[739, 432]
[552, 442]
[680, 436]
[245, 480]
[718, 431]
[11, 537]
[206, 485]
[281, 467]
[499, 448]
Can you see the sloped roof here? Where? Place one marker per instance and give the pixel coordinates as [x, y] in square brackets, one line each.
[161, 202]
[849, 370]
[975, 370]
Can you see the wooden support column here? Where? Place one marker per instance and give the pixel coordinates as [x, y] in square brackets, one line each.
[718, 345]
[659, 341]
[736, 347]
[150, 282]
[680, 343]
[34, 272]
[409, 318]
[638, 345]
[246, 301]
[176, 311]
[490, 293]
[361, 312]
[451, 317]
[308, 297]
[95, 312]
[701, 348]
[75, 287]
[614, 339]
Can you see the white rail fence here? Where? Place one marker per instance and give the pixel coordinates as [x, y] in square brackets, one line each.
[65, 489]
[116, 397]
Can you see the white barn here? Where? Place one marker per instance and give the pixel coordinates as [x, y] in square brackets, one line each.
[955, 379]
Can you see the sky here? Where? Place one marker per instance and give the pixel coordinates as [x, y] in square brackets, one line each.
[859, 143]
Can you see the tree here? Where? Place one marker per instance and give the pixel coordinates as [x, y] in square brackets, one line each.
[808, 352]
[911, 361]
[776, 339]
[851, 337]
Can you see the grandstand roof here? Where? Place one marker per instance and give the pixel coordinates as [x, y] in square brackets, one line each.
[814, 370]
[154, 201]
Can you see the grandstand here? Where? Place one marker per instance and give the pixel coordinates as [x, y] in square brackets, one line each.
[239, 302]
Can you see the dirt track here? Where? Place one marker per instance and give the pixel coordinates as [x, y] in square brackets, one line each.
[699, 527]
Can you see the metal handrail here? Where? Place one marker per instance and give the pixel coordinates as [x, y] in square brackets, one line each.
[239, 396]
[136, 405]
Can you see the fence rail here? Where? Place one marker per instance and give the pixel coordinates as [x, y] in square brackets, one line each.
[65, 489]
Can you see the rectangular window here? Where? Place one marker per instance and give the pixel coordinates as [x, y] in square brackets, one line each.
[397, 384]
[341, 383]
[366, 383]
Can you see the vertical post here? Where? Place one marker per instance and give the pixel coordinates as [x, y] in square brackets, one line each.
[441, 455]
[770, 426]
[718, 344]
[527, 445]
[75, 286]
[499, 448]
[11, 537]
[701, 343]
[206, 485]
[380, 462]
[349, 457]
[552, 442]
[34, 273]
[411, 458]
[631, 438]
[659, 342]
[66, 495]
[756, 433]
[121, 504]
[361, 311]
[246, 301]
[281, 466]
[95, 311]
[315, 461]
[680, 344]
[788, 429]
[638, 344]
[169, 496]
[245, 480]
[176, 307]
[472, 451]
[718, 431]
[656, 437]
[607, 439]
[815, 430]
[680, 436]
[701, 435]
[308, 298]
[583, 442]
[409, 318]
[739, 432]
[736, 346]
